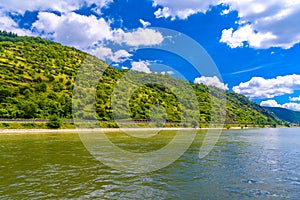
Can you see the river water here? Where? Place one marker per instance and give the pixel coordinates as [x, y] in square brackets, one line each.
[244, 164]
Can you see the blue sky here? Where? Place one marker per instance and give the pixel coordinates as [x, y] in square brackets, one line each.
[254, 44]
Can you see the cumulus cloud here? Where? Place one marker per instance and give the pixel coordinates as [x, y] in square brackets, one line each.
[211, 81]
[139, 37]
[273, 103]
[259, 87]
[294, 98]
[108, 55]
[270, 103]
[144, 23]
[54, 5]
[72, 29]
[245, 34]
[8, 24]
[85, 31]
[67, 28]
[121, 56]
[270, 23]
[181, 9]
[102, 52]
[261, 24]
[292, 106]
[141, 66]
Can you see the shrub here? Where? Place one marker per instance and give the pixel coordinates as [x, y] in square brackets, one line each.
[54, 122]
[194, 124]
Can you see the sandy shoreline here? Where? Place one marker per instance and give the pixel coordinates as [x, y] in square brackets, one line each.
[39, 131]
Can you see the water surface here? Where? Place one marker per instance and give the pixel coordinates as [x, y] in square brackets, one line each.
[245, 164]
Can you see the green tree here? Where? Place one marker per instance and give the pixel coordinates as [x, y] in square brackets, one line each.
[54, 122]
[4, 113]
[194, 124]
[41, 87]
[29, 109]
[286, 124]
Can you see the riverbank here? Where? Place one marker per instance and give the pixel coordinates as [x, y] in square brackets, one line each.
[69, 126]
[74, 130]
[50, 131]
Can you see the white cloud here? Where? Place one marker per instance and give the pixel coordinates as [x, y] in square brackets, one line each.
[108, 55]
[54, 5]
[181, 9]
[141, 66]
[98, 3]
[167, 72]
[68, 28]
[139, 37]
[273, 103]
[292, 106]
[270, 103]
[270, 23]
[160, 13]
[211, 81]
[259, 87]
[85, 31]
[225, 12]
[261, 24]
[73, 29]
[144, 23]
[22, 6]
[102, 52]
[245, 34]
[121, 56]
[294, 98]
[47, 22]
[8, 24]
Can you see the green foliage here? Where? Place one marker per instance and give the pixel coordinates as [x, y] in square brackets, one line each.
[286, 124]
[31, 83]
[227, 126]
[194, 124]
[40, 85]
[286, 115]
[4, 35]
[54, 122]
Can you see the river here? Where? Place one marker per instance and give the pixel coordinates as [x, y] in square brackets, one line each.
[244, 164]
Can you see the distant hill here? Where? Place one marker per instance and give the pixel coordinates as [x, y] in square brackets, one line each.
[286, 114]
[37, 80]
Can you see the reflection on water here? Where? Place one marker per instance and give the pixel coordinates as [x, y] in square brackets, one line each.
[248, 164]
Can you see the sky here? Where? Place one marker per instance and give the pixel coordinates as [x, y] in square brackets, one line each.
[254, 44]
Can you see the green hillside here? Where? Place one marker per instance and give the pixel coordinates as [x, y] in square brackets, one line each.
[286, 114]
[37, 79]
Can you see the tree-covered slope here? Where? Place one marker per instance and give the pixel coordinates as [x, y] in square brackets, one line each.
[37, 79]
[286, 114]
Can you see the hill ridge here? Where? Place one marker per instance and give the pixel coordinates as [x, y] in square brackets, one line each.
[39, 85]
[285, 114]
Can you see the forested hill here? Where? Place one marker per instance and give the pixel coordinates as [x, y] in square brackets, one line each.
[37, 79]
[285, 114]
